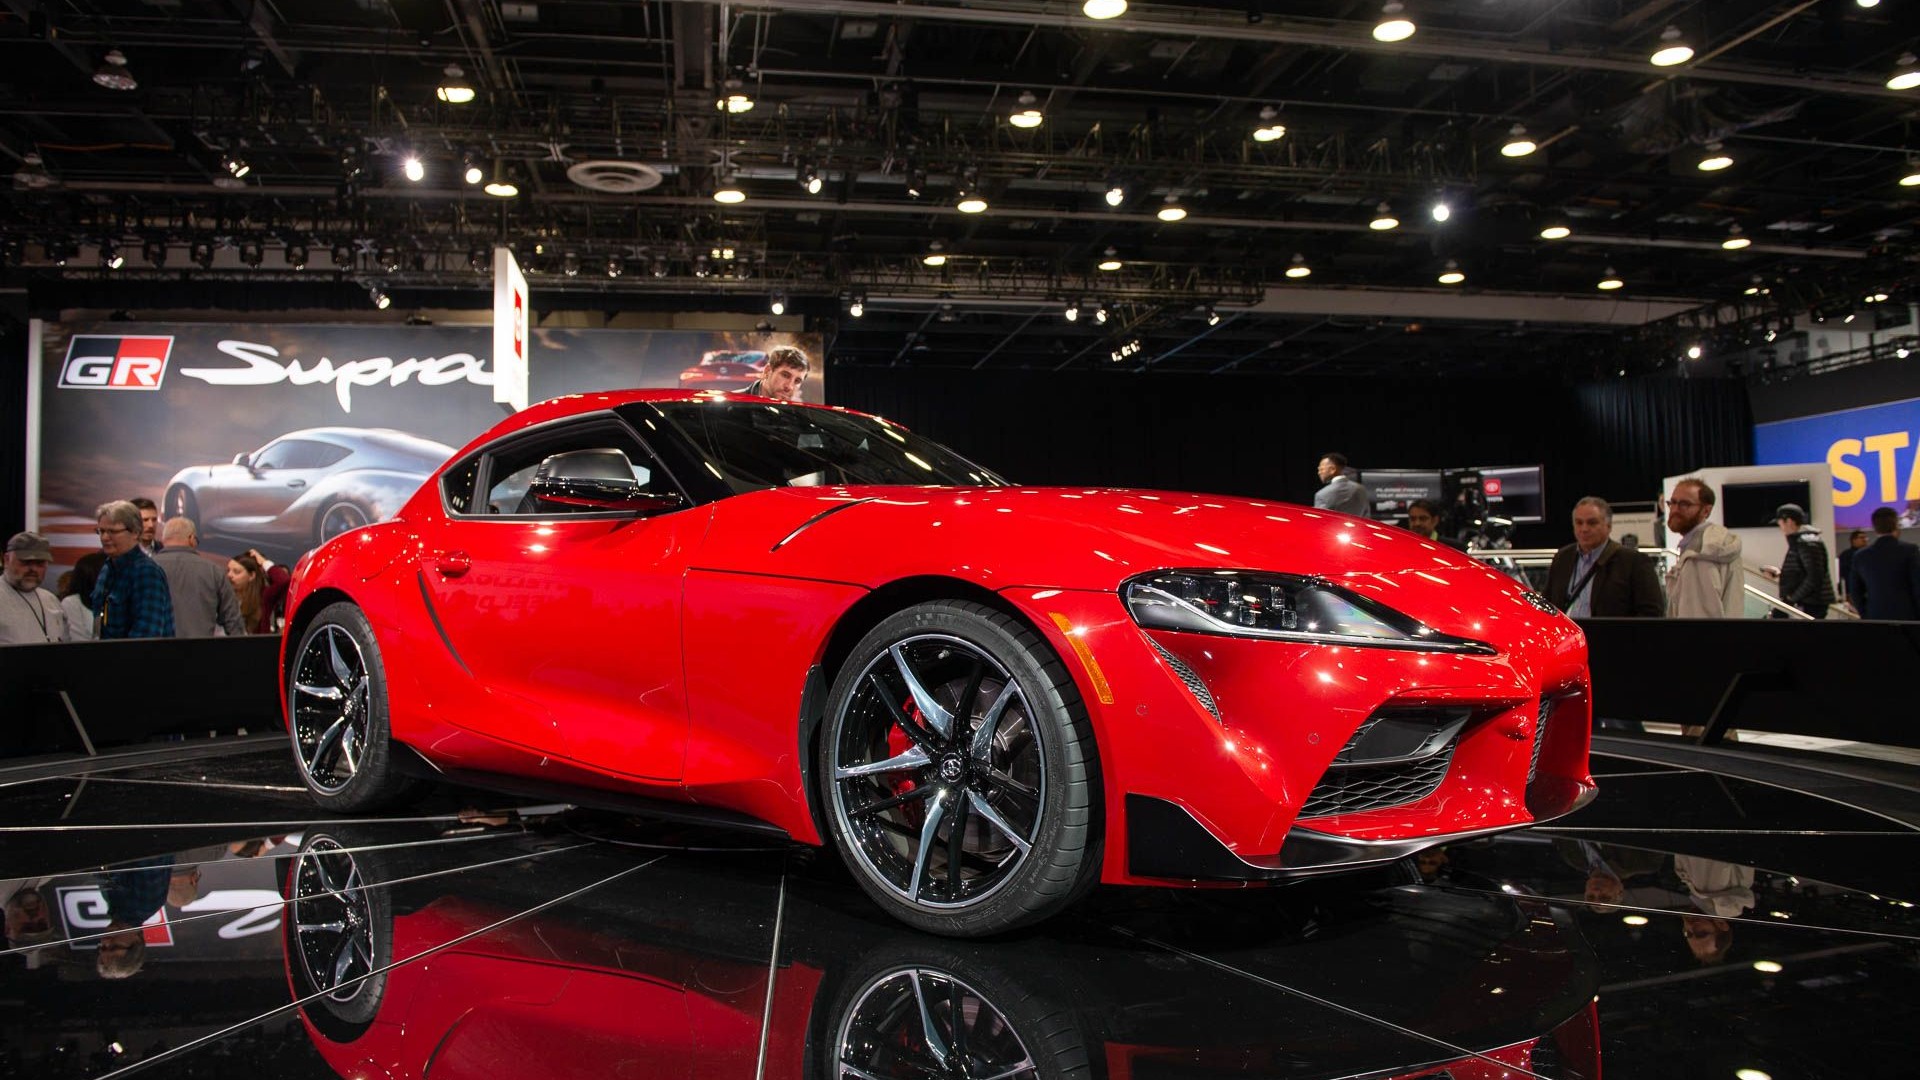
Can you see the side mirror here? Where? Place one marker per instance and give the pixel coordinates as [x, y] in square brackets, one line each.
[605, 495]
[243, 460]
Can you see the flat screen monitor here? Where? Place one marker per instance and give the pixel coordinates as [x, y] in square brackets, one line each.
[1751, 506]
[1391, 490]
[1515, 492]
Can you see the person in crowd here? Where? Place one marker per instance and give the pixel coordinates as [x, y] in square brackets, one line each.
[1705, 581]
[261, 587]
[1343, 491]
[1630, 541]
[203, 598]
[784, 375]
[30, 614]
[132, 894]
[1884, 582]
[1856, 540]
[1803, 576]
[76, 589]
[1594, 576]
[1423, 521]
[130, 599]
[150, 540]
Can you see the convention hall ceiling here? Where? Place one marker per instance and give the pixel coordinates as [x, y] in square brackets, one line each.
[260, 149]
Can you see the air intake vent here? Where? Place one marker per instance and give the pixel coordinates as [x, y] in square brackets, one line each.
[1539, 736]
[1398, 756]
[1190, 677]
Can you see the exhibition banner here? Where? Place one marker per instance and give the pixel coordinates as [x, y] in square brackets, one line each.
[278, 436]
[1873, 452]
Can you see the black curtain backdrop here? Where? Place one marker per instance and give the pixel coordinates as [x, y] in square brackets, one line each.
[13, 423]
[1262, 436]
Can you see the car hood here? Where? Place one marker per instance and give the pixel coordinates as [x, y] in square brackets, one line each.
[1097, 538]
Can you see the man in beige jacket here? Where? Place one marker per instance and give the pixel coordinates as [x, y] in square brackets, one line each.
[1705, 581]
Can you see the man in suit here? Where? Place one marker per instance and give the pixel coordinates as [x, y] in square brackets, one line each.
[1885, 579]
[1593, 576]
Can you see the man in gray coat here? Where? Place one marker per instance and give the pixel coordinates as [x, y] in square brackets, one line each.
[1343, 491]
[203, 598]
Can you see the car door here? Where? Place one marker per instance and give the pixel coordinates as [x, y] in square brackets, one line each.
[569, 614]
[280, 473]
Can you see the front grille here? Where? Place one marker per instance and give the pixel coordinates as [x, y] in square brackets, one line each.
[1357, 789]
[1539, 737]
[1195, 684]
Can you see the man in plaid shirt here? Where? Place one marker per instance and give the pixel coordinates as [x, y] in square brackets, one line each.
[131, 598]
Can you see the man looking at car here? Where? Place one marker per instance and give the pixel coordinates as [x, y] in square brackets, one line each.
[131, 598]
[785, 374]
[1593, 576]
[203, 598]
[1705, 581]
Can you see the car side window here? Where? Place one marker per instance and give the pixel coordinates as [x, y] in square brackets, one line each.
[601, 450]
[457, 484]
[299, 454]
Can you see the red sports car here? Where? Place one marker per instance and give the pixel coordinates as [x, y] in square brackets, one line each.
[985, 697]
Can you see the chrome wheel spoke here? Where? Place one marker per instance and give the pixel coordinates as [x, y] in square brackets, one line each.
[920, 735]
[936, 715]
[894, 800]
[341, 672]
[913, 758]
[932, 1037]
[324, 693]
[982, 748]
[956, 846]
[935, 813]
[985, 809]
[325, 742]
[333, 927]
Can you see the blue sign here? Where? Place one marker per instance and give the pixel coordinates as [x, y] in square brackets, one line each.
[1873, 452]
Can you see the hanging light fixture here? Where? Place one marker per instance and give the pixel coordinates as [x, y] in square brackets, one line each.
[502, 185]
[296, 254]
[1171, 210]
[808, 176]
[1735, 240]
[1269, 130]
[1111, 260]
[857, 304]
[735, 99]
[729, 192]
[470, 170]
[1452, 274]
[1072, 311]
[1383, 219]
[1299, 268]
[570, 264]
[971, 203]
[936, 256]
[1441, 210]
[110, 257]
[1100, 314]
[342, 253]
[1394, 24]
[616, 265]
[1116, 193]
[454, 89]
[252, 253]
[1911, 178]
[1555, 229]
[777, 304]
[1104, 9]
[379, 297]
[416, 171]
[1517, 144]
[1906, 73]
[1213, 317]
[1673, 49]
[235, 165]
[1610, 282]
[201, 252]
[113, 73]
[1715, 159]
[155, 252]
[1026, 112]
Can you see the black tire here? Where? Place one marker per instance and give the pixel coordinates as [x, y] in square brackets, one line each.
[1012, 779]
[337, 714]
[181, 503]
[338, 934]
[337, 517]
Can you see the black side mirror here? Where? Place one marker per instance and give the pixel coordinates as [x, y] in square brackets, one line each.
[605, 495]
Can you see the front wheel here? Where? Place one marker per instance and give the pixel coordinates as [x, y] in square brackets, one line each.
[957, 770]
[337, 712]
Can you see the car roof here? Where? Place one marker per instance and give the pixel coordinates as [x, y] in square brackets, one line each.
[387, 438]
[576, 404]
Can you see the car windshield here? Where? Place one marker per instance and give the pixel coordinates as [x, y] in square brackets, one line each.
[755, 445]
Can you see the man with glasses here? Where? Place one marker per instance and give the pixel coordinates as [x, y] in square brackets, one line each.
[1705, 579]
[130, 599]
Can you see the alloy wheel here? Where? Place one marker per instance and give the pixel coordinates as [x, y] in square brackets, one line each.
[333, 922]
[331, 708]
[928, 1023]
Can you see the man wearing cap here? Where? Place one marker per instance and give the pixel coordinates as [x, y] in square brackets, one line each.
[30, 615]
[1803, 575]
[131, 598]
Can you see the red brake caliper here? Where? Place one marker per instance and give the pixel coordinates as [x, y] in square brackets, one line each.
[898, 743]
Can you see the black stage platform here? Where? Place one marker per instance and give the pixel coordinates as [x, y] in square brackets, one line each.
[1760, 923]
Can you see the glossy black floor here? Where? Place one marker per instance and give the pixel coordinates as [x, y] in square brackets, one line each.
[196, 919]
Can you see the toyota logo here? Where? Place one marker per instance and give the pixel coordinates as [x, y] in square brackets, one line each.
[950, 769]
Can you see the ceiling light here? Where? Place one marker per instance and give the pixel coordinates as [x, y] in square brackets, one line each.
[155, 252]
[478, 259]
[736, 100]
[1735, 240]
[1911, 178]
[1693, 352]
[415, 171]
[454, 89]
[1555, 230]
[1394, 24]
[113, 74]
[33, 174]
[296, 254]
[1072, 311]
[660, 268]
[1610, 282]
[857, 305]
[1878, 298]
[1715, 159]
[388, 258]
[1299, 268]
[729, 191]
[1104, 9]
[808, 177]
[1172, 210]
[235, 165]
[916, 182]
[201, 252]
[1906, 73]
[1383, 219]
[1440, 210]
[778, 304]
[1213, 317]
[1116, 194]
[1517, 144]
[570, 264]
[1026, 113]
[1867, 3]
[251, 252]
[110, 256]
[1672, 49]
[1111, 261]
[1751, 1074]
[1100, 314]
[471, 171]
[936, 256]
[616, 265]
[502, 185]
[971, 204]
[1452, 275]
[379, 297]
[342, 253]
[1269, 131]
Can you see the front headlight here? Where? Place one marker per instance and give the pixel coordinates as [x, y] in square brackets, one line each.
[1288, 607]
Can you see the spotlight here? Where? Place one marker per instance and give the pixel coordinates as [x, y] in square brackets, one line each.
[155, 252]
[936, 254]
[660, 267]
[1104, 9]
[1111, 261]
[1610, 282]
[857, 304]
[1440, 210]
[1383, 219]
[1213, 317]
[1299, 268]
[1867, 3]
[110, 256]
[470, 169]
[1673, 49]
[1026, 113]
[388, 257]
[778, 304]
[1555, 230]
[58, 251]
[415, 171]
[201, 252]
[342, 254]
[235, 165]
[1117, 194]
[477, 259]
[701, 267]
[1394, 24]
[1715, 159]
[1517, 144]
[570, 264]
[1072, 311]
[808, 176]
[1269, 131]
[1171, 210]
[1100, 314]
[502, 185]
[113, 73]
[616, 265]
[736, 100]
[1906, 73]
[296, 254]
[454, 89]
[916, 182]
[729, 192]
[971, 204]
[1452, 274]
[1693, 352]
[379, 297]
[1911, 178]
[1735, 240]
[251, 253]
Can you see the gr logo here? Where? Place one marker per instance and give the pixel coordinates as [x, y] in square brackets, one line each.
[100, 362]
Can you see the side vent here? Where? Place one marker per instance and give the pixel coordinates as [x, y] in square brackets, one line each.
[1195, 685]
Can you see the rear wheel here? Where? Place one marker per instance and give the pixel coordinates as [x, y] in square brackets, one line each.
[339, 938]
[337, 518]
[337, 712]
[957, 771]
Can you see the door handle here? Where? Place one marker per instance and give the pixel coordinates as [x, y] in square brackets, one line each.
[452, 563]
[296, 483]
